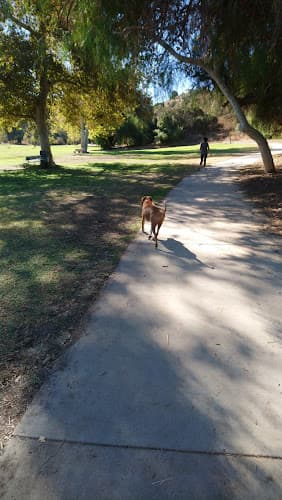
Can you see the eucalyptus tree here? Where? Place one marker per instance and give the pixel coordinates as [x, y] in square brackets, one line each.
[222, 38]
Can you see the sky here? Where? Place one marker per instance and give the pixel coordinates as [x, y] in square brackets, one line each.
[159, 94]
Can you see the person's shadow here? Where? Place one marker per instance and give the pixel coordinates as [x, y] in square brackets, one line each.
[179, 250]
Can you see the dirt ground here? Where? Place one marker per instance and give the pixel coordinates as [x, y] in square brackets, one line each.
[264, 190]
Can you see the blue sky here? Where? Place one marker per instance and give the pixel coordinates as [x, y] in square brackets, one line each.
[159, 94]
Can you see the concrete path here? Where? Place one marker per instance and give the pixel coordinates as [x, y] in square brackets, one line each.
[176, 390]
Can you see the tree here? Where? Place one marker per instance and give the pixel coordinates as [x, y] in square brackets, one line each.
[32, 61]
[137, 128]
[98, 110]
[195, 34]
[250, 53]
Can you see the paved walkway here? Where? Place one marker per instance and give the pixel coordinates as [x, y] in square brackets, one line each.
[176, 390]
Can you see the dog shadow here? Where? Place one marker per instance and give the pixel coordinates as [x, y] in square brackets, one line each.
[177, 248]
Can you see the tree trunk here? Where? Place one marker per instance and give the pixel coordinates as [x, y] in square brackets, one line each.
[244, 124]
[43, 132]
[83, 136]
[41, 114]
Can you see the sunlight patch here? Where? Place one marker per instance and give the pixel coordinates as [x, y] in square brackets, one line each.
[23, 224]
[74, 255]
[49, 276]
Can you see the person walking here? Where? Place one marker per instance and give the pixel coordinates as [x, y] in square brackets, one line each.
[204, 149]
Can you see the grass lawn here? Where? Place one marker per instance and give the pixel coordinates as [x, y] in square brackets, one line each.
[13, 155]
[183, 152]
[62, 233]
[57, 229]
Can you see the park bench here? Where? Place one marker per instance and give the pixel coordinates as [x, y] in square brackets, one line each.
[42, 157]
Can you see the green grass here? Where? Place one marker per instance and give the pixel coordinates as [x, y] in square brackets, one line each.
[14, 155]
[54, 229]
[178, 152]
[61, 233]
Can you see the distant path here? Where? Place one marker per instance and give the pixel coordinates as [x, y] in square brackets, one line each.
[275, 146]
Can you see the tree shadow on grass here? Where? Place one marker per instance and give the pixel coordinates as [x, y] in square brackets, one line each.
[63, 232]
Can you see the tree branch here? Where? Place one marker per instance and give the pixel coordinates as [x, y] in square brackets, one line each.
[24, 26]
[180, 57]
[244, 124]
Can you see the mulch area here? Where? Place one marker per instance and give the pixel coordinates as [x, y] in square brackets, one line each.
[265, 192]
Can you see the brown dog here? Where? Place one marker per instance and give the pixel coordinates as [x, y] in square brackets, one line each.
[152, 213]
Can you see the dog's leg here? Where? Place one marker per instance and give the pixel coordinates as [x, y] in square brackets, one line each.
[151, 231]
[156, 232]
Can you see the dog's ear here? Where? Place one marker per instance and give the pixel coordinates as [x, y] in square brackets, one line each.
[150, 198]
[142, 199]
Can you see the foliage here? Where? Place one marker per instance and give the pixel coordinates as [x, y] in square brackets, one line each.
[32, 61]
[52, 79]
[16, 78]
[101, 109]
[15, 135]
[218, 37]
[31, 134]
[181, 119]
[246, 43]
[137, 128]
[133, 132]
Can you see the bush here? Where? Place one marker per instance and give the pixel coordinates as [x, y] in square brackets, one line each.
[60, 137]
[134, 132]
[105, 142]
[161, 137]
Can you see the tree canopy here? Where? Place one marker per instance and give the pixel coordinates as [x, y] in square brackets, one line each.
[32, 61]
[247, 44]
[43, 68]
[230, 41]
[234, 44]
